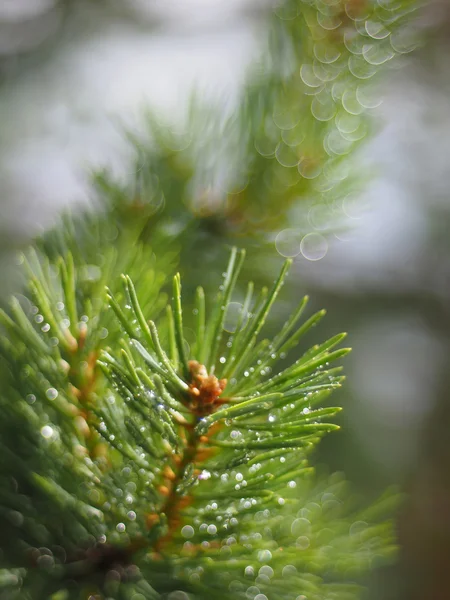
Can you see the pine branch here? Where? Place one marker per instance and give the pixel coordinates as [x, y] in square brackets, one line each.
[134, 464]
[192, 468]
[290, 145]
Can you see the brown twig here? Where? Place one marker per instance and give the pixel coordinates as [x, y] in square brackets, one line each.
[204, 393]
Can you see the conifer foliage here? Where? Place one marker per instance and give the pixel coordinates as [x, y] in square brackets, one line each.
[154, 446]
[152, 469]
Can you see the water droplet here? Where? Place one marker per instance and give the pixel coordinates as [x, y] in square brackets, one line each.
[309, 168]
[252, 591]
[357, 527]
[308, 76]
[51, 393]
[187, 531]
[45, 561]
[293, 137]
[233, 316]
[286, 155]
[39, 318]
[326, 53]
[300, 526]
[314, 246]
[131, 515]
[47, 432]
[287, 242]
[222, 359]
[266, 570]
[323, 110]
[204, 475]
[264, 555]
[121, 527]
[16, 518]
[289, 570]
[31, 398]
[302, 542]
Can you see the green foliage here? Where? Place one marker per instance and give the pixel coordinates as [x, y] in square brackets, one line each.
[284, 155]
[170, 479]
[162, 450]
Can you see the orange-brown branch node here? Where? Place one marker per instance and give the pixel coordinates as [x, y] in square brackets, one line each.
[204, 389]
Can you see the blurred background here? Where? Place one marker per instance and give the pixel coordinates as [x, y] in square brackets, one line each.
[74, 74]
